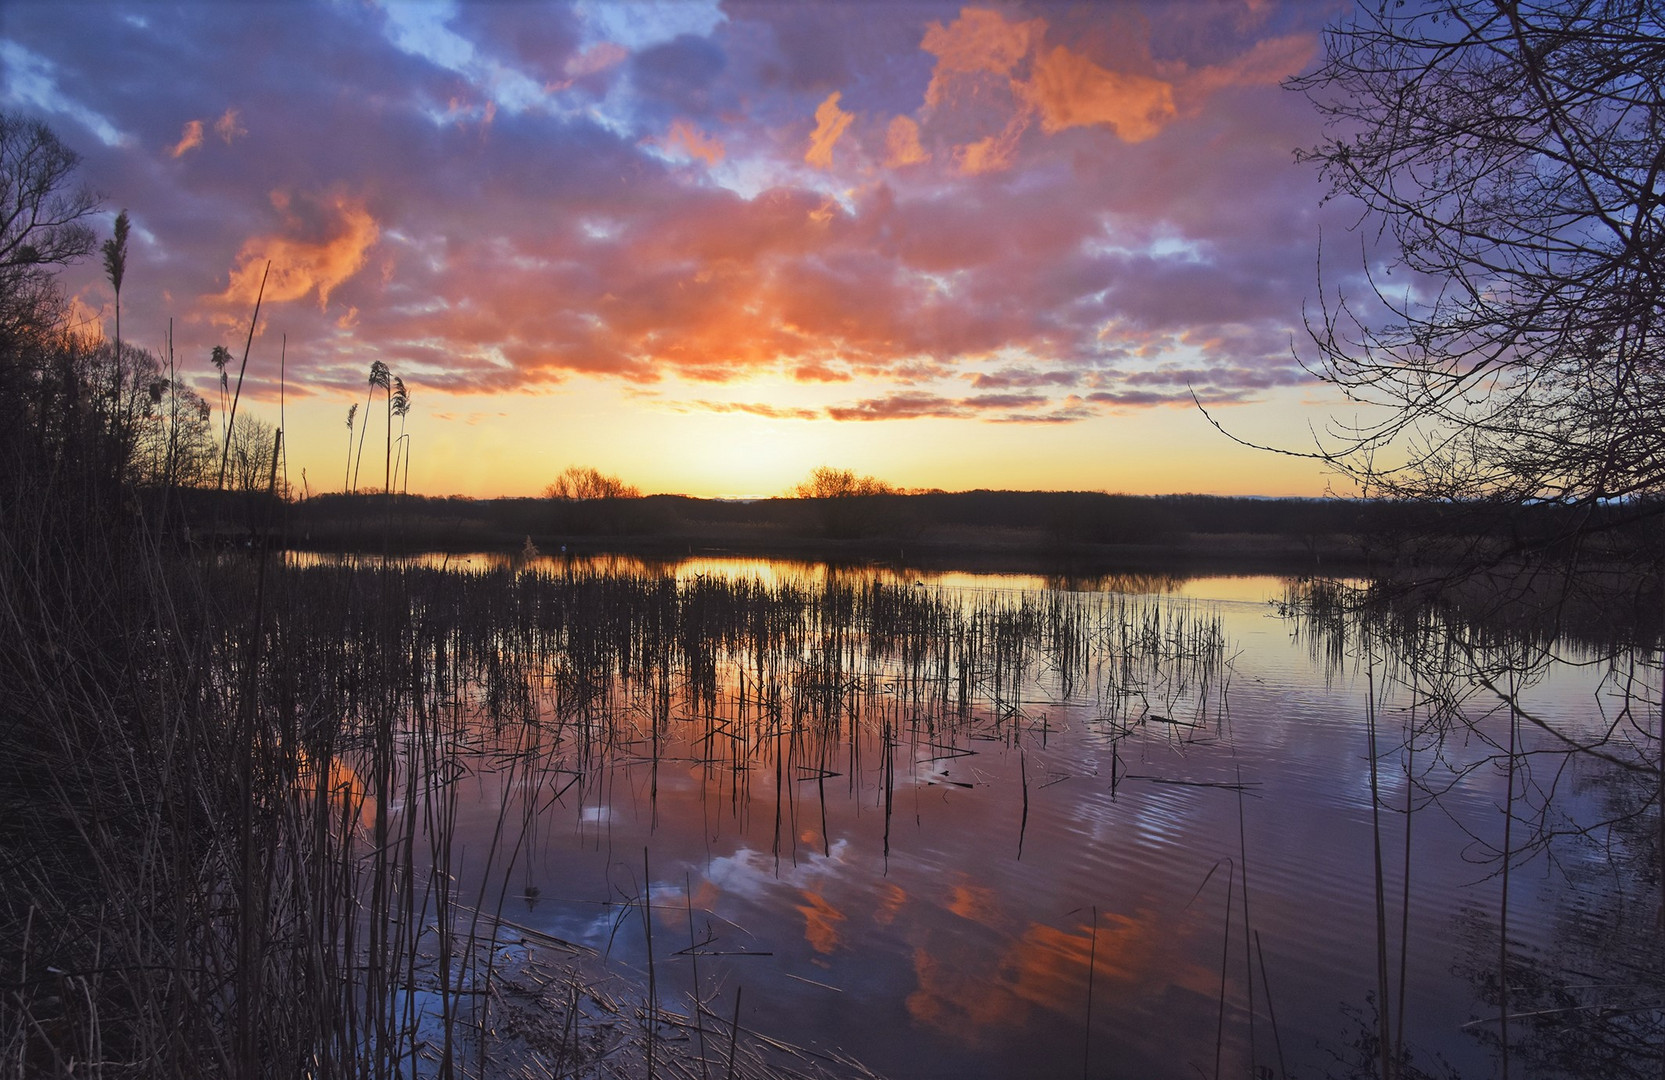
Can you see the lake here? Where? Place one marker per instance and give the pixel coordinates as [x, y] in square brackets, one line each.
[957, 825]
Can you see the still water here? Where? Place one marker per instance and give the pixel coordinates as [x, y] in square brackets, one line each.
[1141, 845]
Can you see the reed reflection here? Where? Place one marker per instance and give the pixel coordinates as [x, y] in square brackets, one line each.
[1489, 679]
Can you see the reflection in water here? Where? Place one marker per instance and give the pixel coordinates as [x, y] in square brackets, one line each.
[976, 903]
[891, 897]
[1570, 980]
[821, 922]
[985, 994]
[811, 573]
[341, 787]
[925, 824]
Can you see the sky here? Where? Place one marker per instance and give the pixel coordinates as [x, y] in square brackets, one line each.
[707, 247]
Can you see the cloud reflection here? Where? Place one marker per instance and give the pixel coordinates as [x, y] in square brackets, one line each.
[964, 990]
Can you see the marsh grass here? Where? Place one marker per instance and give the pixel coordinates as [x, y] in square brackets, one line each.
[233, 787]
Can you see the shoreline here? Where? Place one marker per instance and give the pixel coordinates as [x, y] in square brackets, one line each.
[1191, 554]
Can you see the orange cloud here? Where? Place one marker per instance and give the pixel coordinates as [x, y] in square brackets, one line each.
[1070, 90]
[977, 41]
[995, 152]
[190, 139]
[830, 123]
[301, 264]
[228, 127]
[984, 155]
[758, 408]
[694, 142]
[1066, 89]
[86, 322]
[902, 143]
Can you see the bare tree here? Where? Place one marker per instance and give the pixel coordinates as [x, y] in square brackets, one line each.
[579, 482]
[1509, 156]
[173, 439]
[42, 221]
[253, 443]
[826, 482]
[1509, 159]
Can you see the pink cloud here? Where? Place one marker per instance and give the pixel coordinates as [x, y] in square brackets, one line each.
[1033, 177]
[995, 408]
[692, 141]
[902, 143]
[1267, 63]
[189, 139]
[598, 57]
[1012, 378]
[229, 126]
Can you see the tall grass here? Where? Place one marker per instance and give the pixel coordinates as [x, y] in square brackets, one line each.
[232, 783]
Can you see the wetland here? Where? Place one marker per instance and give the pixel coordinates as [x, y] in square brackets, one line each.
[942, 824]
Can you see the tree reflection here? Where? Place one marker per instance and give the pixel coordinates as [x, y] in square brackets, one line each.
[1594, 1005]
[1466, 683]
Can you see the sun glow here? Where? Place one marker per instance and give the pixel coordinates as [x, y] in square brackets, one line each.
[707, 249]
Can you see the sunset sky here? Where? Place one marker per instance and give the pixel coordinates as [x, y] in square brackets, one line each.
[708, 246]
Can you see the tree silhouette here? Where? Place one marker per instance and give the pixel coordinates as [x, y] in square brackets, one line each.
[1510, 156]
[826, 482]
[42, 223]
[579, 483]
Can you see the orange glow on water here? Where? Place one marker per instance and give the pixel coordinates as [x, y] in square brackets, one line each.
[821, 922]
[1045, 968]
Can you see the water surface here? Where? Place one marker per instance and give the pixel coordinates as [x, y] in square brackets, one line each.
[1132, 837]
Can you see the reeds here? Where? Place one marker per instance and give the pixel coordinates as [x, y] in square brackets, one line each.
[261, 761]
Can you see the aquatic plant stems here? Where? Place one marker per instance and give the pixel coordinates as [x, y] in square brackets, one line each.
[1225, 962]
[1384, 1043]
[1271, 1013]
[1092, 962]
[1503, 899]
[225, 452]
[647, 929]
[1405, 883]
